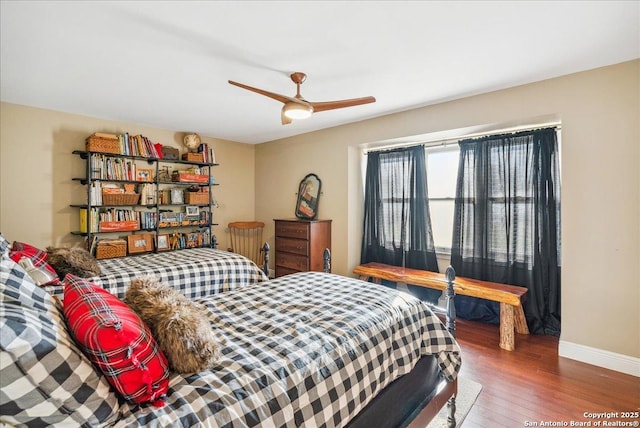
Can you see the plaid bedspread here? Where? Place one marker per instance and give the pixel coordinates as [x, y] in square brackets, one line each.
[196, 272]
[304, 350]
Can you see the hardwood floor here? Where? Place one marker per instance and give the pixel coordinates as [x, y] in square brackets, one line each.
[533, 384]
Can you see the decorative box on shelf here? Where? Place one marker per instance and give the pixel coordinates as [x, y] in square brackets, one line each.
[108, 249]
[187, 177]
[170, 153]
[118, 226]
[196, 198]
[193, 157]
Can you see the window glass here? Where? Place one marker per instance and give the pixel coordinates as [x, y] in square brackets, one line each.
[442, 173]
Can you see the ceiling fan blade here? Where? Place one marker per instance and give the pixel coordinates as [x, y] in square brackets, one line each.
[273, 95]
[332, 105]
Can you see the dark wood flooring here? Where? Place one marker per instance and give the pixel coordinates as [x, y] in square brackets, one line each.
[533, 384]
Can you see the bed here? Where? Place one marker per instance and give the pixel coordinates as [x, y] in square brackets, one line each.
[196, 272]
[309, 349]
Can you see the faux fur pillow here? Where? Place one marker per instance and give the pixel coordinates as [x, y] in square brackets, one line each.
[180, 326]
[75, 260]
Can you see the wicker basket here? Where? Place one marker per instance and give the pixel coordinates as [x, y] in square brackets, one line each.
[111, 249]
[196, 198]
[103, 145]
[120, 198]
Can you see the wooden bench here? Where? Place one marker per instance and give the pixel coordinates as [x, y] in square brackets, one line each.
[510, 297]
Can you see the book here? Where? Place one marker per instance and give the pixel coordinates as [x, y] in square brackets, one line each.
[83, 220]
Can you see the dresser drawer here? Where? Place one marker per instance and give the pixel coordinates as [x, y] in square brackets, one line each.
[292, 230]
[296, 246]
[292, 261]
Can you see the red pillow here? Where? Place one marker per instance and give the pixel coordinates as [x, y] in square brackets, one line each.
[38, 258]
[117, 341]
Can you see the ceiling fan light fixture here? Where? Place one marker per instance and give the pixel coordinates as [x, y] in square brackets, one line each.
[297, 111]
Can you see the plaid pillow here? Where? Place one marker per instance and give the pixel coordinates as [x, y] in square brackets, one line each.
[38, 258]
[117, 341]
[4, 244]
[46, 380]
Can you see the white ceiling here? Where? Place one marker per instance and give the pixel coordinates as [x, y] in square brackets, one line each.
[166, 64]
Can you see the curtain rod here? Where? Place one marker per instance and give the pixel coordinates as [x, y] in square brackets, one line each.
[446, 141]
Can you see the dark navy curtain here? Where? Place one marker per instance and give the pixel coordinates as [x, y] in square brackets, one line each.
[397, 227]
[507, 223]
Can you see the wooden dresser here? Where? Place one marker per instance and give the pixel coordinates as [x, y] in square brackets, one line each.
[300, 245]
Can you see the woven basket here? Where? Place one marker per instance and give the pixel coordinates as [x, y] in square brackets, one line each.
[102, 145]
[111, 249]
[120, 198]
[196, 198]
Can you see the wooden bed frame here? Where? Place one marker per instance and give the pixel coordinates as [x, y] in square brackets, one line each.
[413, 394]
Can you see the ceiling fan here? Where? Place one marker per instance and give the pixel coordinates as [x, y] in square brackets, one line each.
[299, 108]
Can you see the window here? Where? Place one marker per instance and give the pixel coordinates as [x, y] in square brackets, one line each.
[442, 173]
[394, 198]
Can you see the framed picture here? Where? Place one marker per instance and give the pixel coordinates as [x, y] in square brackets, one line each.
[143, 174]
[140, 243]
[162, 242]
[193, 211]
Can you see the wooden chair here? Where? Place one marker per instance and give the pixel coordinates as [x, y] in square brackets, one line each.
[246, 239]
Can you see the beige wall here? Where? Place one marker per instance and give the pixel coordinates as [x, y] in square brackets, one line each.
[600, 187]
[36, 167]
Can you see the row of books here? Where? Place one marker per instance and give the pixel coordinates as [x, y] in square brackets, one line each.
[173, 219]
[113, 168]
[138, 145]
[148, 194]
[208, 155]
[116, 214]
[194, 239]
[95, 193]
[148, 220]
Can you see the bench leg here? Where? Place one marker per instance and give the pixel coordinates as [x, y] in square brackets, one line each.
[507, 339]
[375, 280]
[521, 321]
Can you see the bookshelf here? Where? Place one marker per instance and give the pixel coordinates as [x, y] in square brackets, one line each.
[138, 204]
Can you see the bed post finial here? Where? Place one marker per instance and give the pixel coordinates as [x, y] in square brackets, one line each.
[450, 275]
[266, 249]
[326, 255]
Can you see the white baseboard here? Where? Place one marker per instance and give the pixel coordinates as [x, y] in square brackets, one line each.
[599, 357]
